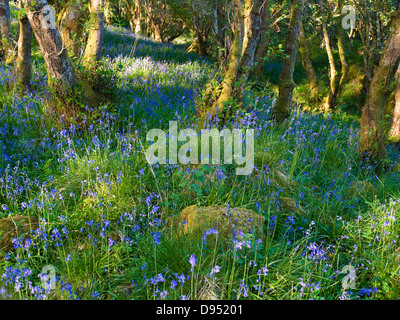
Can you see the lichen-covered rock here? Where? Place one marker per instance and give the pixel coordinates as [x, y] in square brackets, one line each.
[14, 227]
[229, 222]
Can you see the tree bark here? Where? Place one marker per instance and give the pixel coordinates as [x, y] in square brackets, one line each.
[231, 75]
[62, 76]
[261, 50]
[24, 66]
[373, 132]
[283, 105]
[217, 20]
[308, 66]
[394, 132]
[138, 18]
[154, 21]
[200, 33]
[341, 53]
[331, 99]
[247, 26]
[201, 42]
[96, 33]
[252, 31]
[71, 22]
[5, 31]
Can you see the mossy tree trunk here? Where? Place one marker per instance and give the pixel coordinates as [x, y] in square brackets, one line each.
[373, 131]
[24, 66]
[251, 40]
[231, 74]
[199, 44]
[134, 16]
[331, 99]
[247, 28]
[341, 52]
[394, 132]
[71, 23]
[308, 66]
[200, 32]
[219, 33]
[261, 50]
[137, 16]
[5, 31]
[61, 74]
[283, 105]
[155, 17]
[96, 33]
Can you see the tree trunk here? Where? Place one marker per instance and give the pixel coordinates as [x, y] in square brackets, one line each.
[132, 25]
[261, 51]
[108, 12]
[24, 66]
[308, 66]
[373, 132]
[246, 37]
[331, 99]
[201, 36]
[217, 15]
[231, 75]
[394, 133]
[138, 18]
[135, 17]
[202, 49]
[283, 105]
[96, 33]
[252, 29]
[154, 22]
[62, 76]
[71, 22]
[156, 30]
[341, 53]
[5, 31]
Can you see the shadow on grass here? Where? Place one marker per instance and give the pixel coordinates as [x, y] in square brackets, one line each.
[120, 41]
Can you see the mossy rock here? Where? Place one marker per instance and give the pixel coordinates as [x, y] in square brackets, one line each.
[15, 227]
[228, 222]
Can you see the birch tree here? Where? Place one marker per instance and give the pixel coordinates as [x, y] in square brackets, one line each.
[62, 76]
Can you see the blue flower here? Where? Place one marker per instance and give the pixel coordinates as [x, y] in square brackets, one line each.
[214, 270]
[192, 261]
[207, 233]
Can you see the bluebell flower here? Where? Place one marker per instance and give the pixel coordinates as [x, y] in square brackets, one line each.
[215, 270]
[192, 261]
